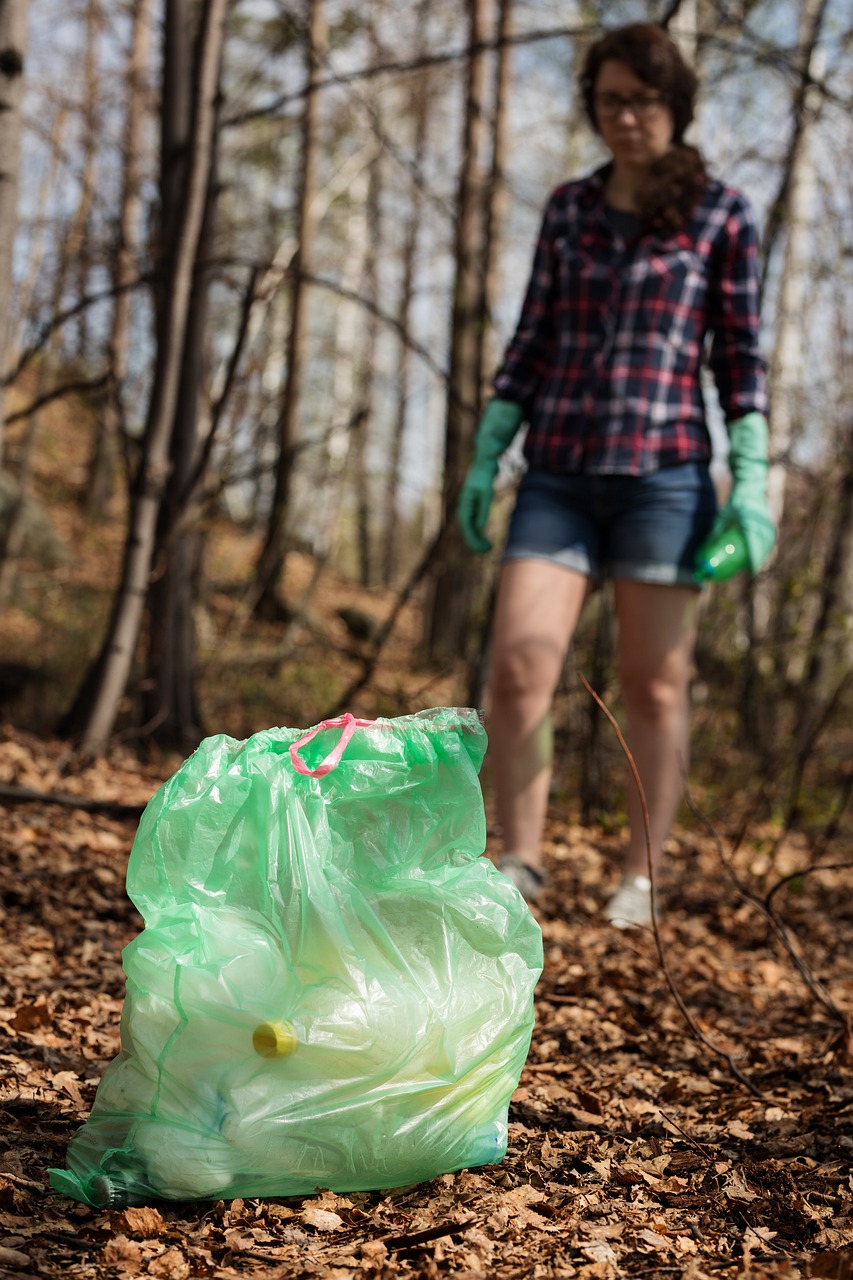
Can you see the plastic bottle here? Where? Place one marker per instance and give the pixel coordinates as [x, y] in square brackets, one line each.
[275, 1039]
[183, 1163]
[106, 1193]
[722, 556]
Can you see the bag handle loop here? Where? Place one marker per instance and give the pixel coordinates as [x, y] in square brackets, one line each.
[348, 722]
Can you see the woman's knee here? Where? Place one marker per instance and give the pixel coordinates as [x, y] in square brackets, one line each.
[527, 670]
[654, 696]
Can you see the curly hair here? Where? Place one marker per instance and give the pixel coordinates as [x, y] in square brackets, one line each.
[677, 179]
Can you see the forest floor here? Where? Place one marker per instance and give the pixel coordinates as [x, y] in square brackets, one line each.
[686, 1109]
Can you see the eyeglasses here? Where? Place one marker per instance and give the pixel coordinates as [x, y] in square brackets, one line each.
[644, 106]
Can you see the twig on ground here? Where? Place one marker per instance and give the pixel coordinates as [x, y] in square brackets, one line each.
[703, 1151]
[413, 1238]
[765, 908]
[670, 982]
[10, 794]
[814, 984]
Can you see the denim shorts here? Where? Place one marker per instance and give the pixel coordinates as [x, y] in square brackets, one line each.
[647, 528]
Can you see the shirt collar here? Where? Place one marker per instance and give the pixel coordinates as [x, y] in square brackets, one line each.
[592, 203]
[593, 194]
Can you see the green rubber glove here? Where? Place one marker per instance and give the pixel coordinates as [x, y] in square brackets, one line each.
[495, 433]
[745, 518]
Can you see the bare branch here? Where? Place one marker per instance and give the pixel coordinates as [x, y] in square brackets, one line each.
[670, 982]
[81, 386]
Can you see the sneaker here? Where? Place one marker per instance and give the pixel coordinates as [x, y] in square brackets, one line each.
[631, 905]
[529, 880]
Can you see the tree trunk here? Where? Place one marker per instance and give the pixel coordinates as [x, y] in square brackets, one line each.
[94, 711]
[169, 695]
[270, 564]
[363, 408]
[12, 543]
[391, 505]
[830, 651]
[342, 432]
[786, 365]
[792, 209]
[493, 217]
[496, 194]
[13, 34]
[447, 632]
[79, 241]
[111, 422]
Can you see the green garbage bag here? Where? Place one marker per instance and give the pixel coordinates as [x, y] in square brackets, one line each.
[332, 988]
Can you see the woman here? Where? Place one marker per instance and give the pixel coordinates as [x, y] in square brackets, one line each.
[637, 268]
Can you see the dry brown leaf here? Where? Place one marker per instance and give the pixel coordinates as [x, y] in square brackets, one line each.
[14, 1221]
[141, 1222]
[653, 1238]
[739, 1130]
[736, 1188]
[321, 1219]
[14, 1258]
[831, 1263]
[375, 1249]
[238, 1239]
[171, 1265]
[68, 1082]
[124, 1254]
[598, 1251]
[30, 1016]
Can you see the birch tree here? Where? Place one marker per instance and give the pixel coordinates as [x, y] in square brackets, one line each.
[448, 613]
[111, 422]
[419, 111]
[791, 214]
[266, 602]
[13, 33]
[364, 404]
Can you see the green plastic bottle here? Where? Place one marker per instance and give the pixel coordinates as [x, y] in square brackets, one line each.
[722, 556]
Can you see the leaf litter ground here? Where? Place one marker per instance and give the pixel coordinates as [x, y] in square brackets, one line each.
[686, 1109]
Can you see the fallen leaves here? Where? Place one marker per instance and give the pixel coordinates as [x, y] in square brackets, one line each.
[14, 1258]
[631, 1151]
[141, 1222]
[321, 1219]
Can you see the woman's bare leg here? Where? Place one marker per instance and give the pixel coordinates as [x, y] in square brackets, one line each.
[657, 632]
[537, 609]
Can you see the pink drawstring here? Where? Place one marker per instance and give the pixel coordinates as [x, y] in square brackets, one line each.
[349, 723]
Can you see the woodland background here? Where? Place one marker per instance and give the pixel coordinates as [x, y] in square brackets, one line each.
[257, 263]
[264, 258]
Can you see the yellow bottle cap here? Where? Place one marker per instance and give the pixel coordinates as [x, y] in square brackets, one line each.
[275, 1039]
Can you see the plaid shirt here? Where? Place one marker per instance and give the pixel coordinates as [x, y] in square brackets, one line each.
[606, 360]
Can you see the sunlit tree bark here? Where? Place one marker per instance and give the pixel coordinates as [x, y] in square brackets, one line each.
[13, 34]
[93, 714]
[270, 563]
[792, 213]
[448, 614]
[420, 97]
[171, 713]
[111, 422]
[364, 406]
